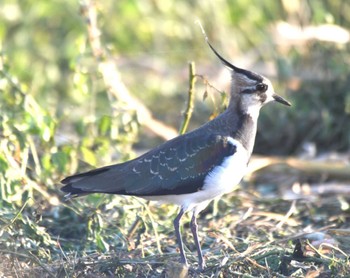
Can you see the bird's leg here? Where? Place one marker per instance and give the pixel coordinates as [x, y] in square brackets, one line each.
[183, 259]
[194, 229]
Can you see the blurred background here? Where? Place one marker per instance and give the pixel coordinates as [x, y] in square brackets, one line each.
[86, 84]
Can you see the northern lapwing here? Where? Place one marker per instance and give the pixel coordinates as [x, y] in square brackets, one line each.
[192, 169]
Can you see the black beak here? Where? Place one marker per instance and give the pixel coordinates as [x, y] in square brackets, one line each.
[281, 100]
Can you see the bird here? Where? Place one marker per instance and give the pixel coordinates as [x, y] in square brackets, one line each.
[194, 168]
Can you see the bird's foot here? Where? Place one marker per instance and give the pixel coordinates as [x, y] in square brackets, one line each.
[183, 261]
[201, 266]
[176, 270]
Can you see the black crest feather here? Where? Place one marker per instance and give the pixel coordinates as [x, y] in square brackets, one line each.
[247, 73]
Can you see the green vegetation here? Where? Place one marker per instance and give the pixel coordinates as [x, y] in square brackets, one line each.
[63, 109]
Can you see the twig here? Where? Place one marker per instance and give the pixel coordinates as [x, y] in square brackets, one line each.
[320, 253]
[334, 248]
[223, 95]
[134, 226]
[12, 82]
[207, 83]
[190, 101]
[267, 254]
[311, 167]
[324, 261]
[35, 155]
[255, 263]
[153, 227]
[16, 216]
[112, 79]
[291, 210]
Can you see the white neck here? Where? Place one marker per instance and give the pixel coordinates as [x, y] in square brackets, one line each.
[253, 111]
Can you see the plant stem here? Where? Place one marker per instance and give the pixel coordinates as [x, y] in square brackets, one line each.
[190, 101]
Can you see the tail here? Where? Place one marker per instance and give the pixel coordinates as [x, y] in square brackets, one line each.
[75, 191]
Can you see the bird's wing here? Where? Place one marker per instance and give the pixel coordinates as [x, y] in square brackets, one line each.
[178, 166]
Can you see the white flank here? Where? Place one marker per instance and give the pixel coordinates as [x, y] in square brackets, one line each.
[222, 179]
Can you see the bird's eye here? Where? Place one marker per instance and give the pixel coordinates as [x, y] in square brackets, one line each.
[261, 87]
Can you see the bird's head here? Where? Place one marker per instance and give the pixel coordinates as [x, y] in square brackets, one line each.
[250, 90]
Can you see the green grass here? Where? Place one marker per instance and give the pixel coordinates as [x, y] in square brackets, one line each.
[247, 236]
[59, 115]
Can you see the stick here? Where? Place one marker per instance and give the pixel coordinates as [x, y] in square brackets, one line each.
[312, 167]
[190, 101]
[111, 77]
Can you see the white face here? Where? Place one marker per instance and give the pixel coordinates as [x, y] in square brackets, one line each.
[253, 91]
[270, 92]
[258, 95]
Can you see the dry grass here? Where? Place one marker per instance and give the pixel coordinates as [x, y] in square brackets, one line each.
[242, 235]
